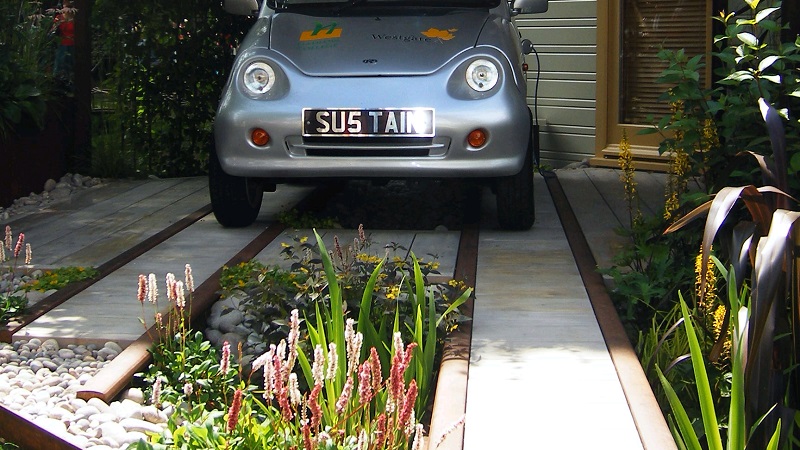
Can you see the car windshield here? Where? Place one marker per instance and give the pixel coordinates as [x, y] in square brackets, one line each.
[347, 4]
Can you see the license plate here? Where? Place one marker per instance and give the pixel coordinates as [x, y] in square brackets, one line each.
[411, 122]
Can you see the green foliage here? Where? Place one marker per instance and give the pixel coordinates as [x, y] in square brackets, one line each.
[714, 126]
[294, 219]
[59, 277]
[739, 133]
[4, 445]
[737, 431]
[270, 293]
[26, 55]
[650, 270]
[11, 306]
[163, 65]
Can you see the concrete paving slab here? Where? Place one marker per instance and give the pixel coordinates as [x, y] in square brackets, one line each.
[204, 245]
[540, 375]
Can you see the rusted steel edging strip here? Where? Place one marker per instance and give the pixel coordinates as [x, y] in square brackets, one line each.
[64, 294]
[450, 401]
[26, 434]
[117, 374]
[650, 423]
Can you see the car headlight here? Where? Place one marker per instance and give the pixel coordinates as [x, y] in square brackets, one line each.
[259, 78]
[482, 75]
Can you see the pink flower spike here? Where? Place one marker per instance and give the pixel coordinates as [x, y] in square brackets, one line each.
[152, 288]
[28, 254]
[333, 361]
[18, 248]
[224, 364]
[155, 397]
[344, 398]
[170, 286]
[233, 413]
[313, 405]
[407, 410]
[180, 299]
[9, 239]
[294, 390]
[375, 369]
[364, 386]
[142, 291]
[189, 278]
[318, 366]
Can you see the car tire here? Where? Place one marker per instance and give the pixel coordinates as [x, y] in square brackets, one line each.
[515, 204]
[236, 201]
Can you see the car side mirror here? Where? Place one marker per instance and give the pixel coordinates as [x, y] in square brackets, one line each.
[528, 6]
[241, 7]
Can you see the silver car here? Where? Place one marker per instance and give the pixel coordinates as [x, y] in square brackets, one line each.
[394, 89]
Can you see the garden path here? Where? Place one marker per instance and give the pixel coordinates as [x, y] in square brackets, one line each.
[540, 374]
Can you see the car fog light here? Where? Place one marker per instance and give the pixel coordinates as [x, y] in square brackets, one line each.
[259, 137]
[259, 77]
[482, 75]
[476, 138]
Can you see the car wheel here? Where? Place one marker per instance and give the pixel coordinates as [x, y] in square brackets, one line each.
[515, 205]
[236, 201]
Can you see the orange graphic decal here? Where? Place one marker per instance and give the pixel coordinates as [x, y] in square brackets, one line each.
[444, 35]
[321, 31]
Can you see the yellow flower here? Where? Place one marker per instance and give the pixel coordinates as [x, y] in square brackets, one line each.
[392, 292]
[628, 175]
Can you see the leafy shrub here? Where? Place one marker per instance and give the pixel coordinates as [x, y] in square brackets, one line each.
[713, 127]
[26, 54]
[163, 65]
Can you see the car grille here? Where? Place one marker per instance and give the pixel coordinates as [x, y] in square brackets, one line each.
[368, 147]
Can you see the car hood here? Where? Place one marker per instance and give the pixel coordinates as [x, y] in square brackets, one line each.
[374, 45]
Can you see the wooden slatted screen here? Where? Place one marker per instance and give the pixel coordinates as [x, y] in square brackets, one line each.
[648, 26]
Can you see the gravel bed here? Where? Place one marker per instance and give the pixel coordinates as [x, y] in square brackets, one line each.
[52, 192]
[39, 381]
